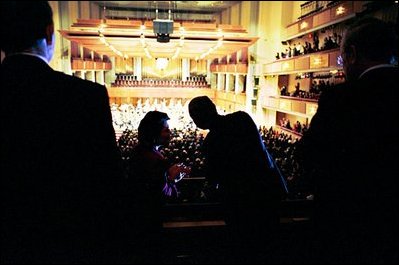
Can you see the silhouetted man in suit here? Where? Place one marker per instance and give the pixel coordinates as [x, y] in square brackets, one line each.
[59, 159]
[350, 151]
[236, 163]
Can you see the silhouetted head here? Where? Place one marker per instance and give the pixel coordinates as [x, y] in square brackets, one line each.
[154, 129]
[26, 25]
[367, 42]
[202, 111]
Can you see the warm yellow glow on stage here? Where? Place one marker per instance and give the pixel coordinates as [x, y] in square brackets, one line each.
[161, 63]
[152, 68]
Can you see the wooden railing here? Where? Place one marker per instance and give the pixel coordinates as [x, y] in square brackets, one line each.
[323, 18]
[320, 61]
[230, 68]
[79, 64]
[304, 108]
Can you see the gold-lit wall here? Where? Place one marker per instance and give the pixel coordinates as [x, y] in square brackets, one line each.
[225, 16]
[235, 15]
[198, 67]
[229, 101]
[266, 20]
[56, 62]
[65, 14]
[172, 71]
[245, 14]
[269, 22]
[296, 10]
[125, 66]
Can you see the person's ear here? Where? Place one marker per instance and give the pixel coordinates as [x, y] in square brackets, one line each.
[351, 54]
[49, 34]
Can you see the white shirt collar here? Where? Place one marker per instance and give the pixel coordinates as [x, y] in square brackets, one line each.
[30, 54]
[376, 67]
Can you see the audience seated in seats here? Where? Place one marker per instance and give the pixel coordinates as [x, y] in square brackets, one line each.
[185, 136]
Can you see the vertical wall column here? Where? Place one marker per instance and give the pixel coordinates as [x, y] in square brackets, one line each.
[137, 68]
[56, 63]
[185, 69]
[220, 80]
[99, 75]
[213, 81]
[237, 88]
[82, 56]
[208, 71]
[250, 90]
[232, 80]
[84, 8]
[92, 75]
[109, 76]
[227, 83]
[253, 23]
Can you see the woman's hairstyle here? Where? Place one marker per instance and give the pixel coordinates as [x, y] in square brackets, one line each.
[151, 125]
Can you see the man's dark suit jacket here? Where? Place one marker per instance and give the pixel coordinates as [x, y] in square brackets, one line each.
[350, 151]
[59, 164]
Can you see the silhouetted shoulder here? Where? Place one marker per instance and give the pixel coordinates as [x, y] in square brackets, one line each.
[334, 90]
[241, 124]
[240, 116]
[243, 114]
[334, 95]
[382, 74]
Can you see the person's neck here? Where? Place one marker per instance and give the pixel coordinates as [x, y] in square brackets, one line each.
[38, 50]
[213, 121]
[28, 54]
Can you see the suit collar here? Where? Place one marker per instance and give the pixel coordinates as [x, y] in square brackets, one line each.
[376, 67]
[19, 62]
[30, 54]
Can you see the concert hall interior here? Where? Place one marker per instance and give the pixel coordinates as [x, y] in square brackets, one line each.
[269, 60]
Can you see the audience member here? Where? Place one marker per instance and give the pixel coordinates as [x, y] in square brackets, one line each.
[236, 164]
[60, 174]
[150, 181]
[354, 169]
